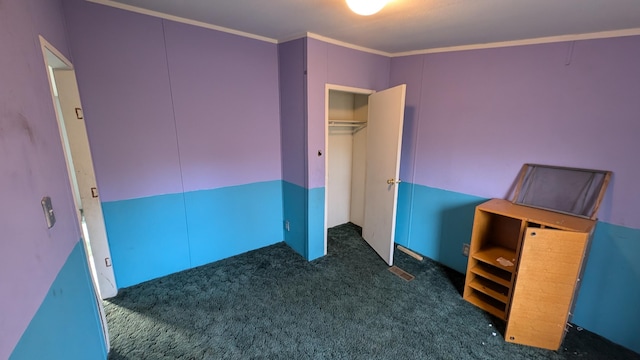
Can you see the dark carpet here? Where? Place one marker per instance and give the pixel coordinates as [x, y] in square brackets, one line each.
[272, 304]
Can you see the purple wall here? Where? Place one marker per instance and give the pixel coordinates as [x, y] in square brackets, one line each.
[291, 57]
[121, 65]
[225, 96]
[484, 113]
[408, 70]
[337, 65]
[174, 107]
[32, 166]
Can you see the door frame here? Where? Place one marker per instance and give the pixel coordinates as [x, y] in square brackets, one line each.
[328, 87]
[63, 63]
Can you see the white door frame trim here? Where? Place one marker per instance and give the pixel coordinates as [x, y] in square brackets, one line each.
[48, 47]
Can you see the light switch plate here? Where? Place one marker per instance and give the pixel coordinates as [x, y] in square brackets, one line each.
[47, 207]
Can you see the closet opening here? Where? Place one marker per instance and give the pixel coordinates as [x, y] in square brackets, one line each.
[347, 111]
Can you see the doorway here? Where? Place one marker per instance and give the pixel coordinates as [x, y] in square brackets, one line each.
[363, 142]
[347, 113]
[75, 144]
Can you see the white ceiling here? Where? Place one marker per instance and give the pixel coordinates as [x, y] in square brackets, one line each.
[405, 26]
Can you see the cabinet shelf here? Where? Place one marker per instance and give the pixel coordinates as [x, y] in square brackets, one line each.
[497, 256]
[487, 304]
[494, 274]
[491, 289]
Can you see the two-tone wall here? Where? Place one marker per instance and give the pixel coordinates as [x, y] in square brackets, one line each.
[336, 65]
[306, 66]
[185, 133]
[198, 155]
[292, 69]
[474, 117]
[48, 303]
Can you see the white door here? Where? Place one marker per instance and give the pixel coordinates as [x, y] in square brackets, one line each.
[384, 141]
[82, 165]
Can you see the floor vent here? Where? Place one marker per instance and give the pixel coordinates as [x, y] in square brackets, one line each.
[401, 273]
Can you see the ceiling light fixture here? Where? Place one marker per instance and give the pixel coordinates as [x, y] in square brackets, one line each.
[366, 7]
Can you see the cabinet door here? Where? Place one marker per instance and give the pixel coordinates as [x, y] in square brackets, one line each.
[549, 264]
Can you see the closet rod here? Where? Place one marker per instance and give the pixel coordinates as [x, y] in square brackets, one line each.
[355, 125]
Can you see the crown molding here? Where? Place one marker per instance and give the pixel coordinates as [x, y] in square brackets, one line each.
[179, 19]
[347, 45]
[534, 41]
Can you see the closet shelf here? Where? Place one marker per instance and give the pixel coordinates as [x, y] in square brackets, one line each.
[352, 125]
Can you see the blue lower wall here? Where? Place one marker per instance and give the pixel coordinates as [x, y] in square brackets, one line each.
[233, 220]
[147, 237]
[304, 209]
[609, 299]
[316, 201]
[294, 200]
[159, 235]
[436, 222]
[67, 325]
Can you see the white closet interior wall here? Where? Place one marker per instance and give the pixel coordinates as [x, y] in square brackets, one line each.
[346, 159]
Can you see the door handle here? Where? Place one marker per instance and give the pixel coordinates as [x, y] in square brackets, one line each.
[393, 181]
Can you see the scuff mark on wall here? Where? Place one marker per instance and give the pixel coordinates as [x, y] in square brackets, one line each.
[16, 124]
[26, 127]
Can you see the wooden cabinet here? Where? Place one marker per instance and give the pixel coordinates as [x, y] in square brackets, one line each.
[524, 267]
